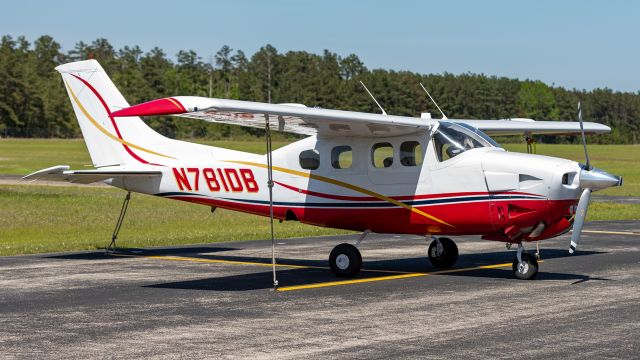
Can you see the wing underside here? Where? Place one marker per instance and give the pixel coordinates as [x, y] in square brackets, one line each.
[303, 120]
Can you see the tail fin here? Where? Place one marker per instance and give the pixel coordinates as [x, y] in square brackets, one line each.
[110, 140]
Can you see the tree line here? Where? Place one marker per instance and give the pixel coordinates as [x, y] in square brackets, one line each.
[34, 103]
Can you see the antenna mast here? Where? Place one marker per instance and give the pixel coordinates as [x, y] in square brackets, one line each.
[444, 117]
[374, 99]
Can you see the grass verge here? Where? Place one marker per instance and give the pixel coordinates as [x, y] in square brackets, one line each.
[37, 219]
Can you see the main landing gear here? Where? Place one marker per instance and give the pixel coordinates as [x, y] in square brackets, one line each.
[345, 259]
[525, 265]
[443, 252]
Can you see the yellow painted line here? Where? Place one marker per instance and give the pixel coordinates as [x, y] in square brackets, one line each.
[399, 274]
[219, 261]
[347, 186]
[386, 278]
[610, 232]
[252, 263]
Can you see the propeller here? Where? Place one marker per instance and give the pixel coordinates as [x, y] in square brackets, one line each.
[578, 222]
[591, 179]
[585, 197]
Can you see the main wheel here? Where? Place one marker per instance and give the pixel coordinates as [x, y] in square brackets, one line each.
[345, 260]
[529, 268]
[444, 256]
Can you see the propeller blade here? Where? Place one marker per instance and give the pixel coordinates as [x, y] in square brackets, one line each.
[578, 222]
[584, 140]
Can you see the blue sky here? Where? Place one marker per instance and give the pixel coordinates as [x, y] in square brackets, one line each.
[581, 44]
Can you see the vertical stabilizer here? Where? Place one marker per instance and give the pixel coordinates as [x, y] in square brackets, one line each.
[110, 140]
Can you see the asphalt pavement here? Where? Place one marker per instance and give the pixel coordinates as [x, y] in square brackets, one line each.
[216, 301]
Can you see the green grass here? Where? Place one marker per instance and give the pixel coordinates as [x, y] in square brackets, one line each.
[24, 156]
[36, 219]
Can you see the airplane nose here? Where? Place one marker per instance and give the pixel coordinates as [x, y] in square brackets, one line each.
[596, 179]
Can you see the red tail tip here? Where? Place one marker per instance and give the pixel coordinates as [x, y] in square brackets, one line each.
[166, 106]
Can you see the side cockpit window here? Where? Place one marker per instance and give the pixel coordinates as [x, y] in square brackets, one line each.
[382, 155]
[310, 159]
[341, 157]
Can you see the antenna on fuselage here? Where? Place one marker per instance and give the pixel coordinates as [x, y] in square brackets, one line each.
[444, 117]
[374, 99]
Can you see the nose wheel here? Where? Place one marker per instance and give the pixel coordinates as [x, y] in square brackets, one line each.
[345, 260]
[525, 265]
[443, 253]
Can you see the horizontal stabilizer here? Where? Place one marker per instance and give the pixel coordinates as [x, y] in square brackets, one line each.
[62, 173]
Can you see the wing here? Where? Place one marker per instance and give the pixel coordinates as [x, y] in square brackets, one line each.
[531, 127]
[300, 119]
[62, 173]
[293, 118]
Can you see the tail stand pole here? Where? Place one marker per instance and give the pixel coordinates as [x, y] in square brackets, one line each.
[123, 211]
[531, 149]
[270, 185]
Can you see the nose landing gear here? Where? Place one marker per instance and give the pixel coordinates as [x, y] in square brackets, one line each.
[525, 265]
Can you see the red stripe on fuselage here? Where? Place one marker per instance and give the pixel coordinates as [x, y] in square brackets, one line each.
[399, 198]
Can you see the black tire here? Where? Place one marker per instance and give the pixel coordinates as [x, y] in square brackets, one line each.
[449, 254]
[345, 260]
[530, 267]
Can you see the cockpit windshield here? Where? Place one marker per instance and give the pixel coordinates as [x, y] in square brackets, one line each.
[452, 139]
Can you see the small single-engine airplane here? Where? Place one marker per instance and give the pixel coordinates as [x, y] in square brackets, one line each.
[357, 171]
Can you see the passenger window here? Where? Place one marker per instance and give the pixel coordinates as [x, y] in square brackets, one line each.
[341, 157]
[382, 155]
[411, 153]
[310, 159]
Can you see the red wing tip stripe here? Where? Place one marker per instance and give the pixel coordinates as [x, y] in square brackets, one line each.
[178, 104]
[165, 106]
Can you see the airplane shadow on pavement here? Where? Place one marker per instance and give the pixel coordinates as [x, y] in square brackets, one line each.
[321, 273]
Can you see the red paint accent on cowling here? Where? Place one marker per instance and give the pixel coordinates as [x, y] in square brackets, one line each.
[166, 106]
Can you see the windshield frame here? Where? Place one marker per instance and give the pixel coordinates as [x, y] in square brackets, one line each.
[459, 137]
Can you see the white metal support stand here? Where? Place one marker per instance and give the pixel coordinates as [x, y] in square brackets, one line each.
[123, 212]
[531, 149]
[270, 185]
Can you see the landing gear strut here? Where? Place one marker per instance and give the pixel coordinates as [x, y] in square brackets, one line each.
[123, 211]
[525, 265]
[443, 252]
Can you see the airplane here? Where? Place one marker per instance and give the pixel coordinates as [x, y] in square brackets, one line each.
[358, 171]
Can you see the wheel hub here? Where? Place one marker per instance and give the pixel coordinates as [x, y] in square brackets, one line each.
[523, 267]
[342, 261]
